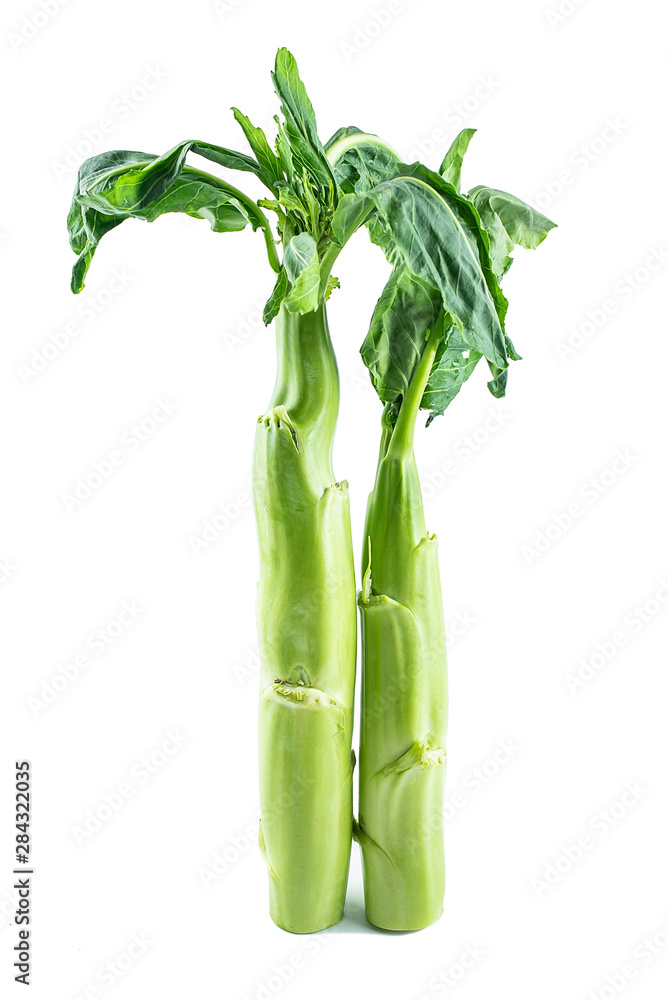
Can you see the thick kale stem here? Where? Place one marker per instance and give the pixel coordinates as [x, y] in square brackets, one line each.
[307, 632]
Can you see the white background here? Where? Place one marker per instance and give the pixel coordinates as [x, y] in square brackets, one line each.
[182, 324]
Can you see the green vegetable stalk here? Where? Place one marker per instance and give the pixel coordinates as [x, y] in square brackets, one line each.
[306, 598]
[442, 311]
[307, 628]
[404, 688]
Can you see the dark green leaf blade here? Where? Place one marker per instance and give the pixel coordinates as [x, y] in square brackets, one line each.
[267, 159]
[453, 365]
[509, 222]
[451, 167]
[129, 186]
[497, 386]
[295, 103]
[405, 315]
[229, 158]
[86, 225]
[360, 160]
[300, 131]
[367, 169]
[406, 310]
[438, 234]
[350, 213]
[86, 228]
[275, 300]
[126, 184]
[202, 197]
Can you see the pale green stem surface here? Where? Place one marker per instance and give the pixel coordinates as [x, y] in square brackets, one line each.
[404, 689]
[307, 633]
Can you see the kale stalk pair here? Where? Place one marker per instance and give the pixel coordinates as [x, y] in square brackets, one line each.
[441, 312]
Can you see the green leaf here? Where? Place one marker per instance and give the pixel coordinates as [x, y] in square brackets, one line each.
[465, 249]
[363, 166]
[395, 341]
[303, 269]
[202, 197]
[406, 310]
[435, 239]
[453, 365]
[332, 283]
[154, 176]
[300, 130]
[228, 158]
[267, 159]
[275, 300]
[85, 225]
[360, 160]
[125, 184]
[289, 200]
[295, 103]
[451, 167]
[341, 133]
[405, 315]
[350, 213]
[499, 383]
[131, 185]
[86, 228]
[438, 235]
[509, 222]
[284, 151]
